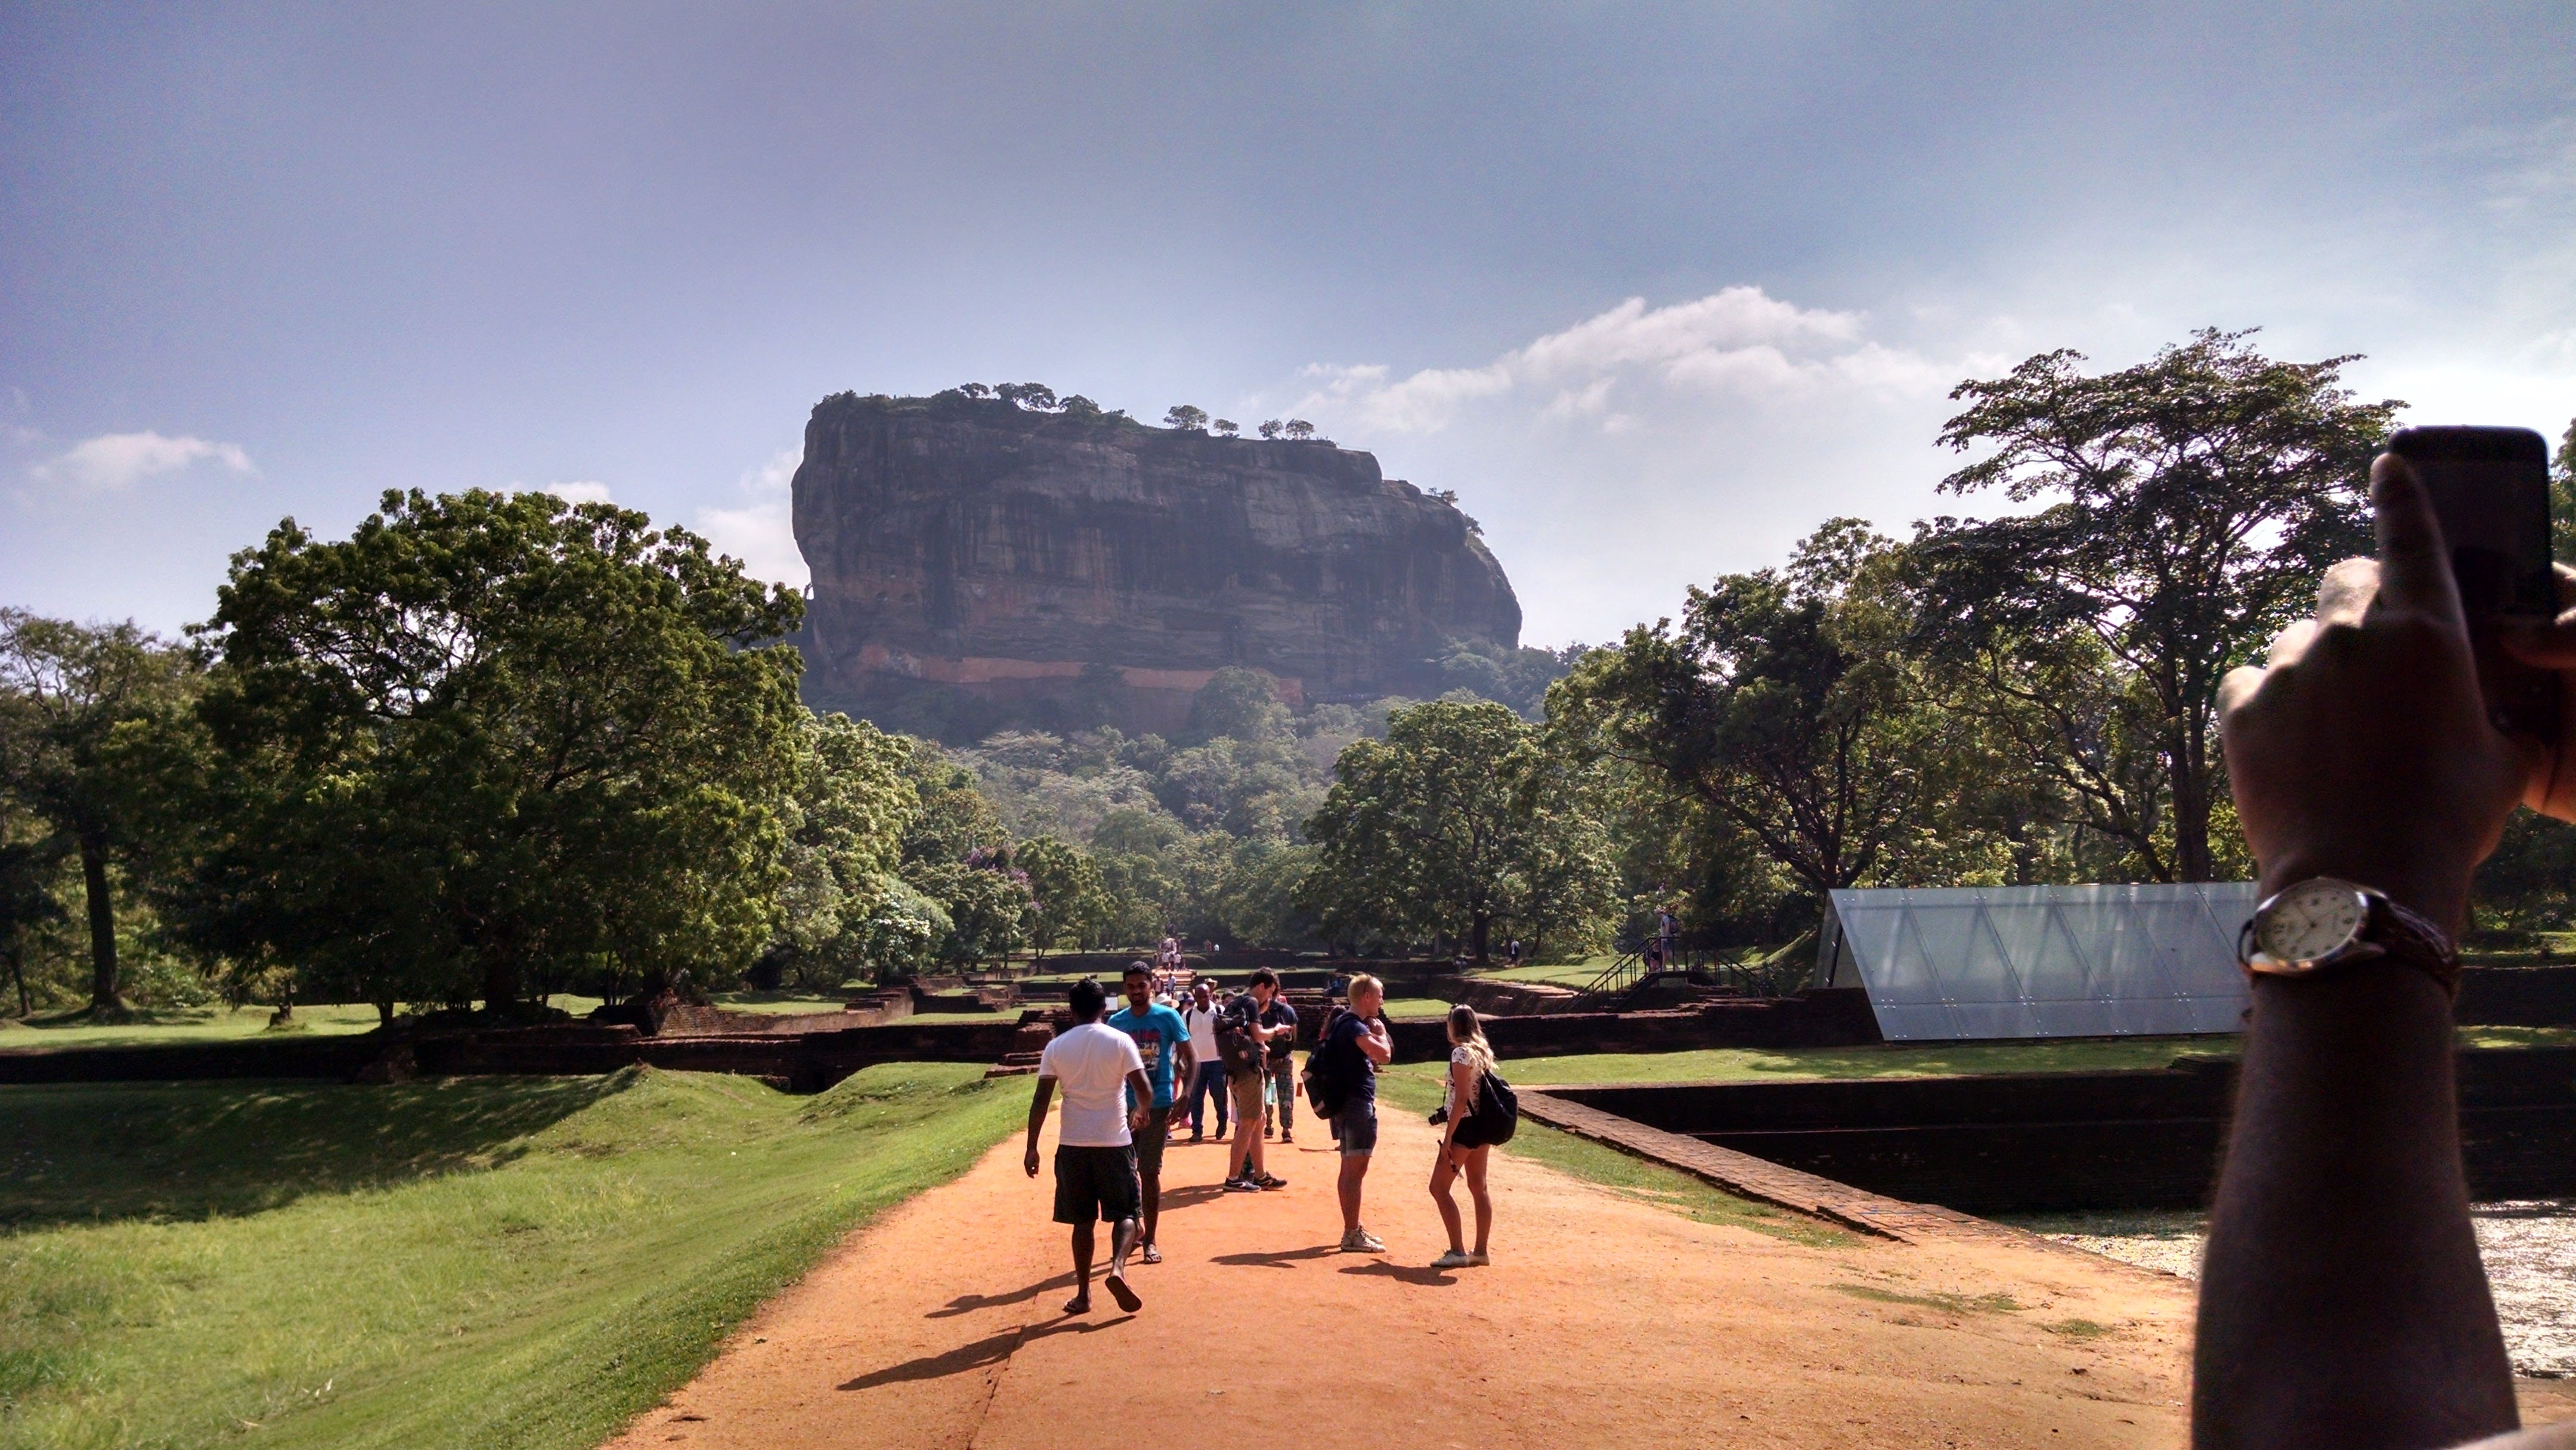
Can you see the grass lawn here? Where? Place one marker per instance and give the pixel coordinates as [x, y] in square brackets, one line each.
[185, 1024]
[515, 1262]
[1750, 1064]
[1409, 1008]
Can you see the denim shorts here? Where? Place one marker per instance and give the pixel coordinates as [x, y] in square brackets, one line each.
[1356, 1126]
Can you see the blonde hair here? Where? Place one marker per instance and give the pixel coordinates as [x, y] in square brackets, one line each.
[1466, 1030]
[1366, 983]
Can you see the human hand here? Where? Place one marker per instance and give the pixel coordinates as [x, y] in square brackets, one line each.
[1029, 1160]
[1136, 1119]
[2552, 646]
[2364, 750]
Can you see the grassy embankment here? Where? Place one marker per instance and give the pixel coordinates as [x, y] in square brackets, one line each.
[499, 1262]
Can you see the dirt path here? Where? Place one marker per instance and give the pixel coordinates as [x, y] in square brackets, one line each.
[1604, 1321]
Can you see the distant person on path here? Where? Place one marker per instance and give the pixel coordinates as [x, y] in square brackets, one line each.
[1282, 1070]
[1207, 1072]
[1512, 952]
[1251, 1022]
[1163, 1040]
[1360, 1046]
[1463, 1147]
[1095, 1153]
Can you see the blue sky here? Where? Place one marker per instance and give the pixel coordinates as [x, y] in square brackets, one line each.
[1655, 289]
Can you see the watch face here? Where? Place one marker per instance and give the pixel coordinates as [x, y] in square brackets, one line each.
[2310, 921]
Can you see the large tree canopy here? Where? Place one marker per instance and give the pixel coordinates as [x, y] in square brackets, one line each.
[485, 735]
[65, 691]
[1783, 704]
[2189, 505]
[1457, 824]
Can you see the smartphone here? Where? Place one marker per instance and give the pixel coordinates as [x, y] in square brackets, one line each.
[2490, 488]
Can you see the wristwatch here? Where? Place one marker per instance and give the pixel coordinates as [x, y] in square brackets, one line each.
[2322, 925]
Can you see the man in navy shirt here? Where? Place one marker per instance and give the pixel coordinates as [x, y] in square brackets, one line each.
[1163, 1041]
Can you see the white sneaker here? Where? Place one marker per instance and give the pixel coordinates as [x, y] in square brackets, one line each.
[1454, 1259]
[1361, 1241]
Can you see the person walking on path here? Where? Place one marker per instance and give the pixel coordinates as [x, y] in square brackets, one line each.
[1463, 1147]
[1207, 1070]
[1360, 1046]
[1251, 1022]
[1282, 1072]
[1163, 1040]
[1095, 1154]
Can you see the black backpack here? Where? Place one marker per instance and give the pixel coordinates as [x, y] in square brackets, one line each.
[1498, 1110]
[1325, 1088]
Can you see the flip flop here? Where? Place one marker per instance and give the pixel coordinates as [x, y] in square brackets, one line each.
[1079, 1305]
[1125, 1296]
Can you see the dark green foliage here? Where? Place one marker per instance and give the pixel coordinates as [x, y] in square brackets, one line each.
[2193, 501]
[68, 693]
[1459, 824]
[1785, 706]
[484, 737]
[1240, 703]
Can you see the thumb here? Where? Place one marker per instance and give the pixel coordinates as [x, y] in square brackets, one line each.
[2414, 562]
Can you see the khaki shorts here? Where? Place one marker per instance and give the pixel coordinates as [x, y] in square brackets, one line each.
[1247, 1094]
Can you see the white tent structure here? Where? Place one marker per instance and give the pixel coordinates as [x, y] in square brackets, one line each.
[1981, 962]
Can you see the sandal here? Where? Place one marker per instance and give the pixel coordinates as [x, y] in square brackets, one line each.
[1078, 1304]
[1126, 1297]
[1153, 1255]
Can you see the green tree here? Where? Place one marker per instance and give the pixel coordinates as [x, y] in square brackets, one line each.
[489, 735]
[65, 691]
[1238, 703]
[1186, 418]
[845, 822]
[1459, 823]
[2562, 496]
[2191, 502]
[1072, 901]
[1225, 427]
[1784, 704]
[1298, 428]
[29, 869]
[1270, 428]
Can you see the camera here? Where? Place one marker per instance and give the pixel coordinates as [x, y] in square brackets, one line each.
[1439, 1115]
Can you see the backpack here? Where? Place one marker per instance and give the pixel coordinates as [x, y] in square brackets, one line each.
[1325, 1088]
[1242, 1055]
[1498, 1110]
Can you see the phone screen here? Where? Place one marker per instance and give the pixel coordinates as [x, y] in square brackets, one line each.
[2490, 486]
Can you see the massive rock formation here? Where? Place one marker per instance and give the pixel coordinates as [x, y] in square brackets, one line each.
[974, 562]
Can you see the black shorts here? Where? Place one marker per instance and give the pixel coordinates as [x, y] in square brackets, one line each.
[1150, 1140]
[1096, 1181]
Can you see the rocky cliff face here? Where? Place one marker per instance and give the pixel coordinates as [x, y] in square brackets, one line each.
[974, 561]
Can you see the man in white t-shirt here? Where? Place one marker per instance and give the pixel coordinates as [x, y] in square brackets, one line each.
[1207, 1069]
[1095, 1154]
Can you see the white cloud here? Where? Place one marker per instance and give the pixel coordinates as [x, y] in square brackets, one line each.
[587, 490]
[762, 533]
[114, 462]
[1738, 343]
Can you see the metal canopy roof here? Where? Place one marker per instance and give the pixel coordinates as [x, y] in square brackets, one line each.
[1964, 963]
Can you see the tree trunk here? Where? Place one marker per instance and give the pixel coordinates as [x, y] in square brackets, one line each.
[1483, 926]
[18, 973]
[103, 1001]
[500, 985]
[2190, 818]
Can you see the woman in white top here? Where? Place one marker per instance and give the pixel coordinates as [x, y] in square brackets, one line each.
[1463, 1149]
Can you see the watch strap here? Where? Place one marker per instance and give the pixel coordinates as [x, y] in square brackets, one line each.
[2415, 940]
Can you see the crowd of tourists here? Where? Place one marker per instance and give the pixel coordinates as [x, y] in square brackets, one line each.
[1179, 1048]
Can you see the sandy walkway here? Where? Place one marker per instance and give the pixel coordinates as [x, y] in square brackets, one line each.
[1604, 1321]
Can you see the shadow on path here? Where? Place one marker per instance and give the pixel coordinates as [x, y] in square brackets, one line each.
[969, 1303]
[992, 1349]
[1404, 1273]
[1277, 1259]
